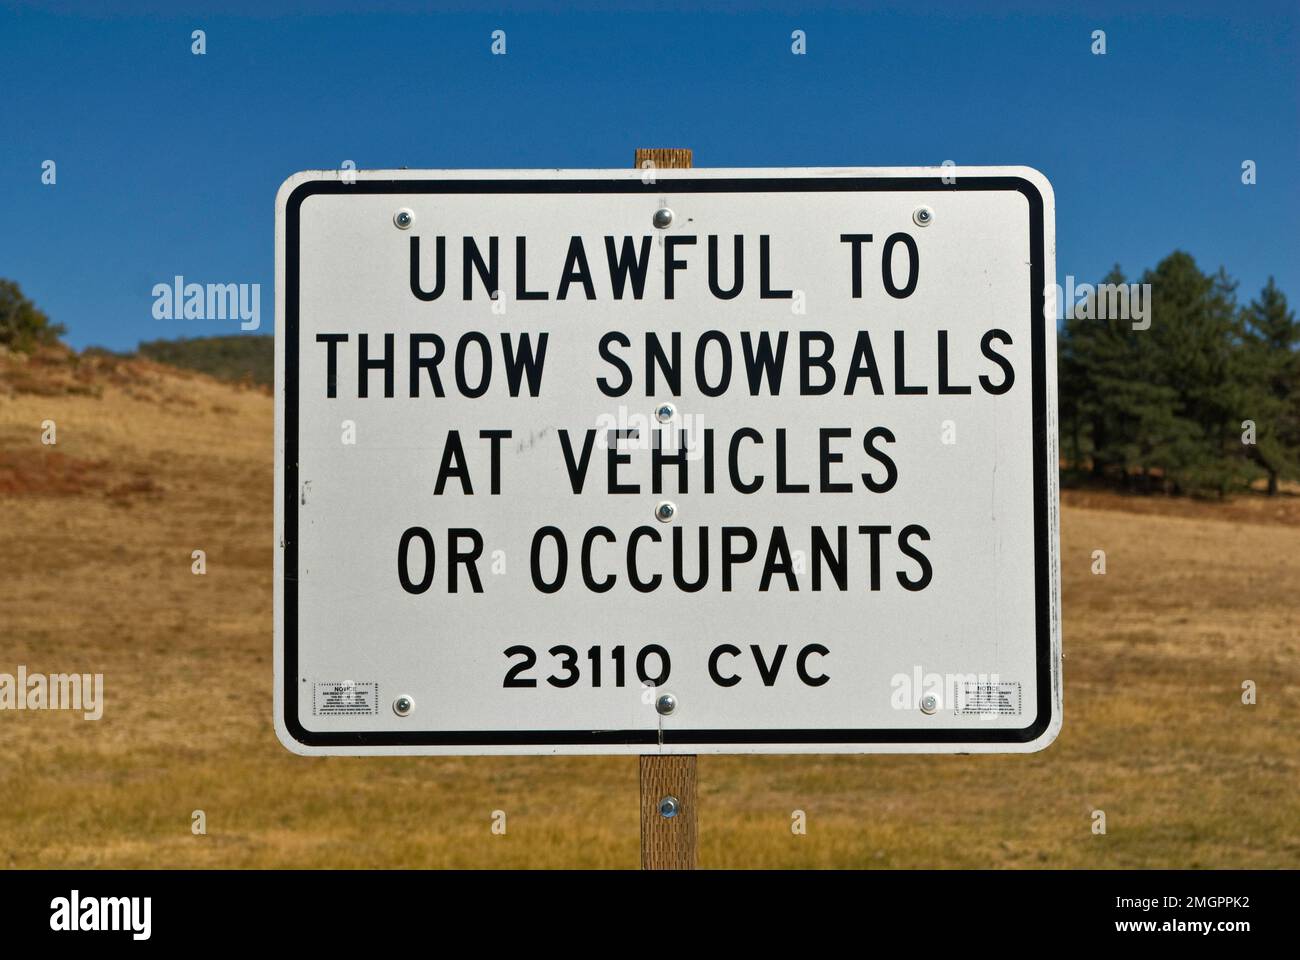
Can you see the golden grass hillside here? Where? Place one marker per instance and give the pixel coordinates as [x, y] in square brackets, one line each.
[152, 463]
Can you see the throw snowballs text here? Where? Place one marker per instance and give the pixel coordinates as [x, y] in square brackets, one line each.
[662, 460]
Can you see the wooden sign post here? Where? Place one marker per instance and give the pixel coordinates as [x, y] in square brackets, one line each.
[669, 827]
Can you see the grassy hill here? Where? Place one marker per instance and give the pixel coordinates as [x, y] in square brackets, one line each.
[241, 358]
[248, 357]
[153, 463]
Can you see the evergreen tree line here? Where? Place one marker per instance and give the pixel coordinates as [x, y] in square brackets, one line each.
[1205, 400]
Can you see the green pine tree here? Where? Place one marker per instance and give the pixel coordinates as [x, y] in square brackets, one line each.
[1194, 338]
[1161, 406]
[1119, 409]
[1272, 372]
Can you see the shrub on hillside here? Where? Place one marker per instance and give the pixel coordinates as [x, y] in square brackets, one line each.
[23, 326]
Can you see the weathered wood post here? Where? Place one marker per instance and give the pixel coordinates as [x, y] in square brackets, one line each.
[668, 842]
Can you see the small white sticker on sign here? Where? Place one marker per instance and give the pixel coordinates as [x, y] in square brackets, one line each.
[347, 698]
[991, 699]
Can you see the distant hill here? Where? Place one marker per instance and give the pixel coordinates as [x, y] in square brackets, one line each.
[234, 358]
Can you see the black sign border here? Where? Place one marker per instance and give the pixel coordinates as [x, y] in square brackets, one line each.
[653, 737]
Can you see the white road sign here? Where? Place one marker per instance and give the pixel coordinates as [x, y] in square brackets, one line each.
[679, 461]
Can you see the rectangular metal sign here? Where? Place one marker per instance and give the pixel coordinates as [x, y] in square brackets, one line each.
[679, 461]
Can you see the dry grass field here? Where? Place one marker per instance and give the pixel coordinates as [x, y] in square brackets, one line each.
[153, 463]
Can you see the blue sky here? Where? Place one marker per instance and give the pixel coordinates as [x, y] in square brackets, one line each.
[168, 163]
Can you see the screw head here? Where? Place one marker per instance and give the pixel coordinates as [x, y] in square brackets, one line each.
[666, 704]
[665, 412]
[665, 512]
[404, 218]
[403, 706]
[923, 216]
[669, 807]
[663, 218]
[929, 703]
